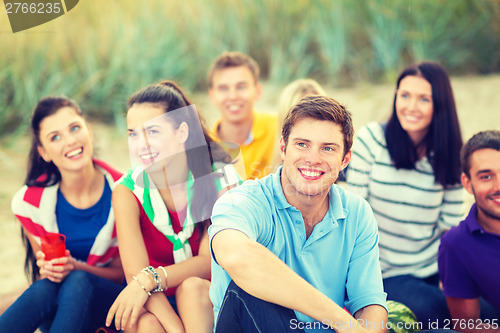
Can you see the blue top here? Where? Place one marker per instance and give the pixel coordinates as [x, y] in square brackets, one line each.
[340, 258]
[81, 226]
[469, 261]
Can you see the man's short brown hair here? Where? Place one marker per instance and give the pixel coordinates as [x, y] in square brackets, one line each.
[320, 108]
[233, 59]
[481, 140]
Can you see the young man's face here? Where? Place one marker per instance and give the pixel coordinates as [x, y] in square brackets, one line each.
[484, 183]
[234, 92]
[313, 157]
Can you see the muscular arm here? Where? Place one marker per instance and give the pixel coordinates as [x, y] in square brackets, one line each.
[263, 275]
[468, 311]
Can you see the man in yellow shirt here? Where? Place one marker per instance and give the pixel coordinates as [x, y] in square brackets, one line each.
[234, 88]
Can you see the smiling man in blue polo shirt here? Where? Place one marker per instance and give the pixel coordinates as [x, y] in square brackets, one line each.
[291, 250]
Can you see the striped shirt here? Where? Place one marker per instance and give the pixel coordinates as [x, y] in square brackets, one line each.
[412, 211]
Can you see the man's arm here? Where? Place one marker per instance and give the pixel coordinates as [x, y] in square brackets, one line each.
[259, 272]
[372, 317]
[466, 313]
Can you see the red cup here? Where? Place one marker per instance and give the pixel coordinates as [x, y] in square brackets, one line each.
[53, 246]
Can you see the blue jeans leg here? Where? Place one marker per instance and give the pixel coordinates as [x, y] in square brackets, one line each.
[105, 293]
[422, 296]
[79, 304]
[243, 313]
[83, 302]
[37, 304]
[488, 311]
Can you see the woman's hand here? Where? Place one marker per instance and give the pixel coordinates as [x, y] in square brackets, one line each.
[55, 270]
[127, 306]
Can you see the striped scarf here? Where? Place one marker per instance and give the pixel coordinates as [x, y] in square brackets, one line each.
[144, 189]
[35, 208]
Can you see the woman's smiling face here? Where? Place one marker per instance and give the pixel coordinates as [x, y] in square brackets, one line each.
[153, 140]
[414, 106]
[65, 140]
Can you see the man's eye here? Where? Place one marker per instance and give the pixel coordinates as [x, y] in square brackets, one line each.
[132, 134]
[485, 177]
[302, 144]
[329, 149]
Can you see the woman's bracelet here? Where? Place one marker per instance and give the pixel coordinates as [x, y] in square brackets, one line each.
[142, 286]
[145, 271]
[156, 277]
[165, 272]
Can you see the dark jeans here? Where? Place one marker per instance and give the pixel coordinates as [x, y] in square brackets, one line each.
[422, 296]
[426, 300]
[79, 304]
[241, 312]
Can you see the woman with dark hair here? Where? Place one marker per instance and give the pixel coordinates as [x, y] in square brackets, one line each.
[67, 191]
[163, 207]
[409, 171]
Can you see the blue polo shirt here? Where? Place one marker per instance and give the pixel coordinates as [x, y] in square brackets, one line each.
[340, 258]
[469, 261]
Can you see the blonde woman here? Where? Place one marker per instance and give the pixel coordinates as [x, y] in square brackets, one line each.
[291, 94]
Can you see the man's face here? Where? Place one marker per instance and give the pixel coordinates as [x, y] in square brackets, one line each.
[313, 157]
[234, 92]
[484, 183]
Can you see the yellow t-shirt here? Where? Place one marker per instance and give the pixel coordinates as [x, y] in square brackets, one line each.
[258, 151]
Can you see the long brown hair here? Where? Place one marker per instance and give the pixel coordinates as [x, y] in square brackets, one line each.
[169, 96]
[41, 173]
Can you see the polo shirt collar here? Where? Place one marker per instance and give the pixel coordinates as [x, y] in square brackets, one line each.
[471, 221]
[256, 132]
[336, 209]
[279, 196]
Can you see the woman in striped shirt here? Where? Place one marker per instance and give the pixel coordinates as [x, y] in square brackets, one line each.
[408, 169]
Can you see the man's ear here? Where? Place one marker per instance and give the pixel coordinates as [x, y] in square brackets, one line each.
[346, 160]
[466, 182]
[43, 154]
[282, 148]
[212, 94]
[258, 92]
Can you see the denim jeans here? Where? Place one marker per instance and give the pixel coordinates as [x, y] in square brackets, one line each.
[241, 312]
[79, 304]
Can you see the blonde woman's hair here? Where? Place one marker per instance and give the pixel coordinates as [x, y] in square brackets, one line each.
[291, 94]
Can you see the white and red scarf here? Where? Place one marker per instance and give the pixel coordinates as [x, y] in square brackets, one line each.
[35, 208]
